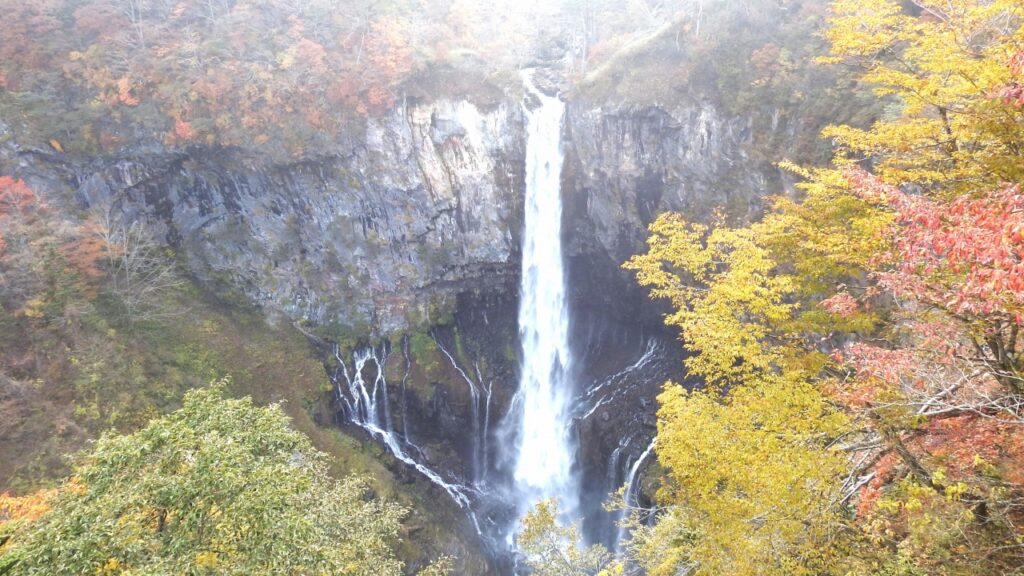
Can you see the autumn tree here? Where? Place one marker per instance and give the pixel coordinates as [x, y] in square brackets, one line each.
[942, 394]
[139, 272]
[36, 278]
[887, 303]
[938, 65]
[754, 492]
[18, 206]
[52, 266]
[15, 512]
[220, 486]
[554, 549]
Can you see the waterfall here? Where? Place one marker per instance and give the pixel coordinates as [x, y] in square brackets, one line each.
[479, 420]
[630, 497]
[618, 384]
[545, 454]
[367, 405]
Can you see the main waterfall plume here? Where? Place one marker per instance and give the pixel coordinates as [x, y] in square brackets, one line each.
[545, 452]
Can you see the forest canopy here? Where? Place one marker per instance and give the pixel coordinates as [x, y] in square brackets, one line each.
[292, 79]
[861, 342]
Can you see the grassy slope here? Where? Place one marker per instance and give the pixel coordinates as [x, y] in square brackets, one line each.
[102, 375]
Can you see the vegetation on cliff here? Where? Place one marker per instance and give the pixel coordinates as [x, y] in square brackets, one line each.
[284, 78]
[99, 331]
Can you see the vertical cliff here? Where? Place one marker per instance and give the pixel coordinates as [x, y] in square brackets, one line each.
[424, 204]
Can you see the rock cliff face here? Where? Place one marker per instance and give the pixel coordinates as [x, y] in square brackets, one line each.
[630, 164]
[424, 205]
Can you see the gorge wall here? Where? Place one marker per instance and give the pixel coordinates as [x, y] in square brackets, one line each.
[625, 166]
[410, 242]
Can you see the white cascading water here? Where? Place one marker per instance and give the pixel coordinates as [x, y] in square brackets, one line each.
[366, 405]
[479, 420]
[618, 384]
[545, 455]
[630, 496]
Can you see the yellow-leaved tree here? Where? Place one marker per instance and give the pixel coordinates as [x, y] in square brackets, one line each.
[942, 66]
[752, 482]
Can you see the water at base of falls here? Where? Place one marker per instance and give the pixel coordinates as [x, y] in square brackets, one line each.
[541, 416]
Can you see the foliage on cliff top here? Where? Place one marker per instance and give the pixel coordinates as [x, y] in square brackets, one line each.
[861, 344]
[284, 77]
[688, 51]
[748, 58]
[291, 79]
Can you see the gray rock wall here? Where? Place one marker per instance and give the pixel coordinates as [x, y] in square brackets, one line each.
[427, 204]
[630, 164]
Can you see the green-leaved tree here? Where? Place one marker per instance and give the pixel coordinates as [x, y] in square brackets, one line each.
[219, 487]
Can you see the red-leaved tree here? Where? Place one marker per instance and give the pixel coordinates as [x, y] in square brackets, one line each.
[943, 394]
